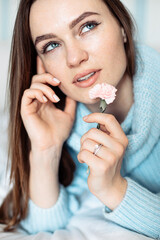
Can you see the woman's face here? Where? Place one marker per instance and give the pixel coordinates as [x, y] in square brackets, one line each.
[78, 38]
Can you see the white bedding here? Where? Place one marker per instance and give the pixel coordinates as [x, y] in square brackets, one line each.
[87, 224]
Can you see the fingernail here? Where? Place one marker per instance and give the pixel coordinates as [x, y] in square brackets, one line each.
[56, 80]
[56, 98]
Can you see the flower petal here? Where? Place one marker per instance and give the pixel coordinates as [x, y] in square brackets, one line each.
[104, 91]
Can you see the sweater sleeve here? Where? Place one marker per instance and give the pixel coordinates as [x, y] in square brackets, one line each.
[139, 211]
[50, 219]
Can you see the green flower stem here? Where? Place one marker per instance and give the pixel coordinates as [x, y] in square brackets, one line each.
[103, 105]
[98, 126]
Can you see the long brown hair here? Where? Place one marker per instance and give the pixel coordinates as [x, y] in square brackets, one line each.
[22, 68]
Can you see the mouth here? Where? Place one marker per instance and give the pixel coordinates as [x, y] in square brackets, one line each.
[87, 78]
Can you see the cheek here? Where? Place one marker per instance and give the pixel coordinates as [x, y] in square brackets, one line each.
[112, 47]
[113, 56]
[58, 71]
[55, 67]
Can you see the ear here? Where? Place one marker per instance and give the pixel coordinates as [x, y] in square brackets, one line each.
[40, 66]
[124, 35]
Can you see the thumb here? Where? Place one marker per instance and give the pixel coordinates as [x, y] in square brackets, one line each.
[70, 107]
[40, 66]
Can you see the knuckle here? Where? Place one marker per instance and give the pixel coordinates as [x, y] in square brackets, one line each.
[89, 134]
[25, 93]
[126, 142]
[120, 149]
[81, 155]
[111, 158]
[92, 131]
[86, 143]
[35, 78]
[110, 118]
[33, 85]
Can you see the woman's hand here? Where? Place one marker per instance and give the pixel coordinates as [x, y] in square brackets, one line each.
[105, 180]
[47, 128]
[46, 125]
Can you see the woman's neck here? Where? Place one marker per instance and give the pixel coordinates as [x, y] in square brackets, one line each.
[123, 102]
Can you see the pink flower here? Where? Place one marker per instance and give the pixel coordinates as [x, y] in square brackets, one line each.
[104, 91]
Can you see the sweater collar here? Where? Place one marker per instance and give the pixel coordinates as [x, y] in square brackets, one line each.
[142, 123]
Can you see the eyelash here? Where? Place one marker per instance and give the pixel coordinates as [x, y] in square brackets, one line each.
[43, 51]
[44, 48]
[90, 23]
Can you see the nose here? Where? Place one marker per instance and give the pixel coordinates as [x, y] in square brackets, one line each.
[75, 54]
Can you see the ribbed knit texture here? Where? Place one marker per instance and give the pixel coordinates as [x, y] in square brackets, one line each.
[140, 209]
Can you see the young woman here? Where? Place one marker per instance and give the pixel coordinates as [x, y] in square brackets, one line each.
[61, 49]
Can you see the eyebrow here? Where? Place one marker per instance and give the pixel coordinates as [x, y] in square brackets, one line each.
[44, 37]
[81, 17]
[71, 25]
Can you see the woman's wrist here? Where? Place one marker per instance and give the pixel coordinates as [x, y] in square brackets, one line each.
[43, 180]
[114, 197]
[48, 158]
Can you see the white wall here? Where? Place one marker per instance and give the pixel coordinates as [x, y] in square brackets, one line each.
[4, 59]
[146, 13]
[147, 16]
[153, 24]
[8, 10]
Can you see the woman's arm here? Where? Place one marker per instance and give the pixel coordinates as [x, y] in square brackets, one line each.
[139, 211]
[129, 205]
[47, 211]
[140, 208]
[50, 219]
[48, 128]
[43, 181]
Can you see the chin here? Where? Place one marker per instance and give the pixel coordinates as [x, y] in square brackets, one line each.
[90, 101]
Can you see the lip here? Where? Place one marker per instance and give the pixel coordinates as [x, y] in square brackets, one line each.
[90, 81]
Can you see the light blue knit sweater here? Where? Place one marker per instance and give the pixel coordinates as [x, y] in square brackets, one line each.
[140, 209]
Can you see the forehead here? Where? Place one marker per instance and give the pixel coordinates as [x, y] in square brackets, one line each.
[46, 13]
[59, 6]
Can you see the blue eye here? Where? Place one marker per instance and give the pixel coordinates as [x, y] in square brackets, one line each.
[50, 46]
[89, 26]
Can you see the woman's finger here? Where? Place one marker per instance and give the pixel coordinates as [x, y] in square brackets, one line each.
[90, 145]
[30, 95]
[111, 124]
[95, 163]
[42, 76]
[103, 138]
[46, 78]
[95, 136]
[70, 107]
[40, 66]
[47, 91]
[87, 157]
